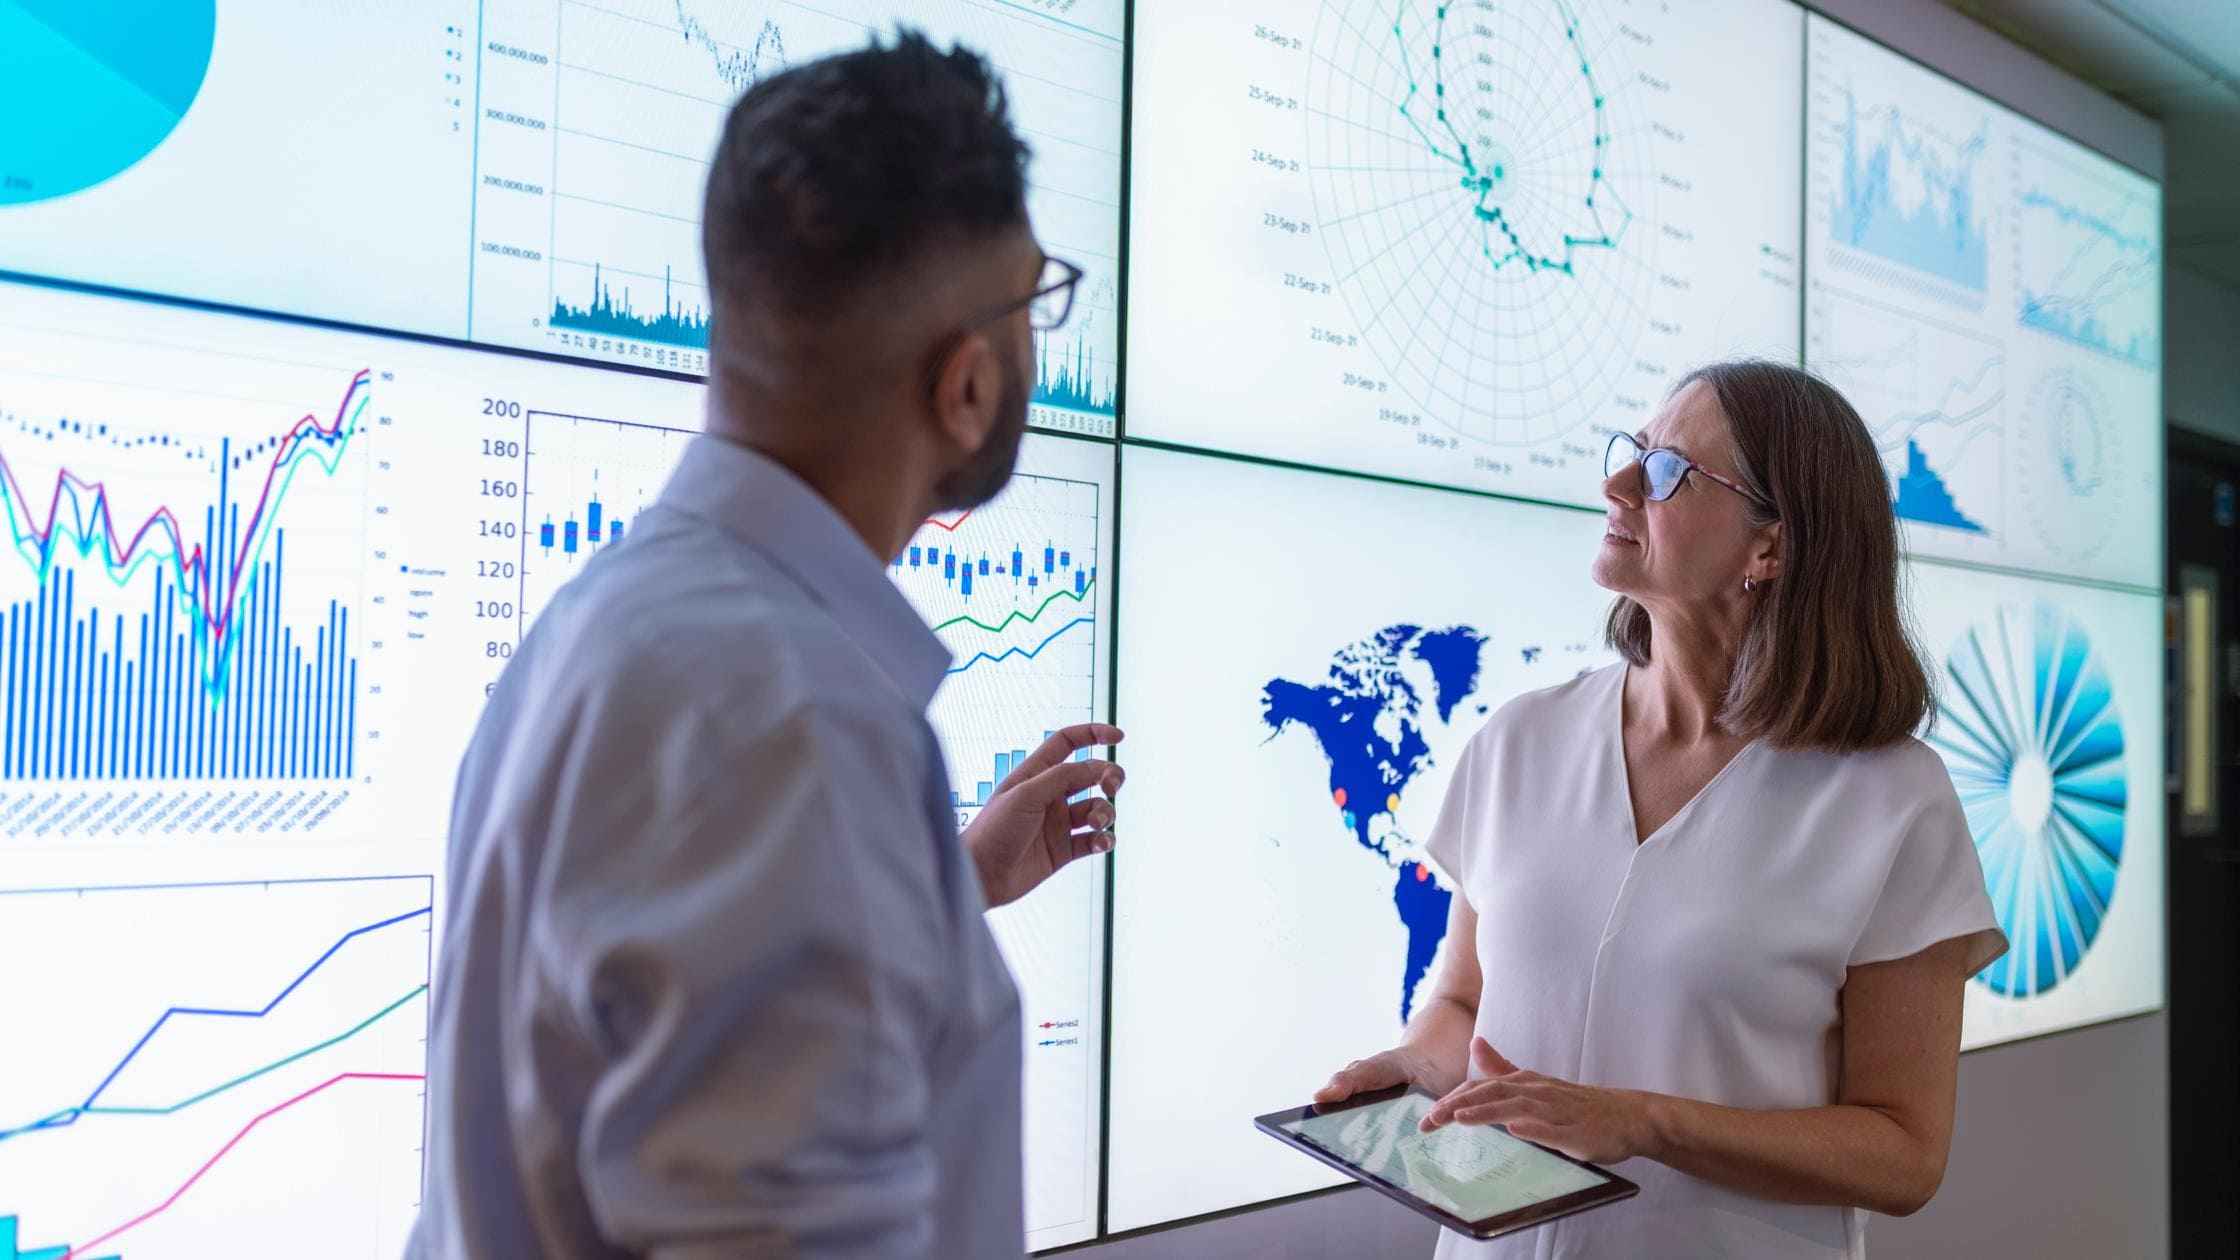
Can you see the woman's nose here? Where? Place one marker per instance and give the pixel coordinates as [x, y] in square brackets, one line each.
[1623, 487]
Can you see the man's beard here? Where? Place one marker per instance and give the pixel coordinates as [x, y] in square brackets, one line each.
[989, 470]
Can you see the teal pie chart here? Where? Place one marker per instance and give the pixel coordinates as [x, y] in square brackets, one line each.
[89, 87]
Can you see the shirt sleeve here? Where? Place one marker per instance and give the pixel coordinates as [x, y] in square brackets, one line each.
[752, 967]
[1934, 890]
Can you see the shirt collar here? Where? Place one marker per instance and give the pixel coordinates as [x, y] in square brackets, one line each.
[759, 500]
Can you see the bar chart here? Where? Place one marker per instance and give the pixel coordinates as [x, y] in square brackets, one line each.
[192, 515]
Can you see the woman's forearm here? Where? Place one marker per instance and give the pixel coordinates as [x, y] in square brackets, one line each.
[1851, 1156]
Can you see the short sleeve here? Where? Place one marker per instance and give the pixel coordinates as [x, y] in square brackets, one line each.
[1934, 890]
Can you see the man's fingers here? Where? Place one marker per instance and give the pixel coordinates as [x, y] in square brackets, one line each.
[1060, 747]
[1090, 844]
[1093, 814]
[1070, 779]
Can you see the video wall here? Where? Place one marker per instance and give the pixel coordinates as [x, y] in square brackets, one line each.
[285, 495]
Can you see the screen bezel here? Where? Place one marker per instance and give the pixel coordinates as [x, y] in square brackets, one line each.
[1613, 1188]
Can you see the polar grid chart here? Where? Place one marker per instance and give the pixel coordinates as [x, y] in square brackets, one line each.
[1456, 243]
[1480, 207]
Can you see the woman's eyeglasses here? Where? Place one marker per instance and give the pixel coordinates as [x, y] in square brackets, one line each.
[1662, 469]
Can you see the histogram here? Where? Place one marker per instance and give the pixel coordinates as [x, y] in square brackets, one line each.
[610, 315]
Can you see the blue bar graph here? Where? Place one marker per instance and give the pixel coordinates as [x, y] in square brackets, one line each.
[606, 315]
[1004, 765]
[95, 692]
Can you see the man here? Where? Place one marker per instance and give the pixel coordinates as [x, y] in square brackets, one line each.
[716, 980]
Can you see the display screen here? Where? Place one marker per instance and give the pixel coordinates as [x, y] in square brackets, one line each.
[335, 340]
[1473, 1171]
[1989, 296]
[1302, 657]
[1457, 243]
[525, 173]
[264, 576]
[2050, 719]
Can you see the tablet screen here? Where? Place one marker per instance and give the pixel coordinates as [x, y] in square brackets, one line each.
[1472, 1171]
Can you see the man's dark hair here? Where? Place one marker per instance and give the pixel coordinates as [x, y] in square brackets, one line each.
[849, 168]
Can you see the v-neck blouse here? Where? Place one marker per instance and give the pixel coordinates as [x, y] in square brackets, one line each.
[1705, 961]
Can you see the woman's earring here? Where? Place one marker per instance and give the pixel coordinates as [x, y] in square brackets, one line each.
[1749, 584]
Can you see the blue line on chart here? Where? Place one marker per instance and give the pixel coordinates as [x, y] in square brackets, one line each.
[1031, 11]
[1008, 653]
[71, 1116]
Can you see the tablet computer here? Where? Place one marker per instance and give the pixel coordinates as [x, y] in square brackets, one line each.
[1474, 1179]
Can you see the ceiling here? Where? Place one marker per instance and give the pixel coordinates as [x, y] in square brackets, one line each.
[2175, 60]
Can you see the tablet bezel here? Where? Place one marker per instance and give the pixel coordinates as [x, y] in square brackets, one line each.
[1613, 1188]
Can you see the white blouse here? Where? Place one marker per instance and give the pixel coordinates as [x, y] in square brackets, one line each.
[1704, 962]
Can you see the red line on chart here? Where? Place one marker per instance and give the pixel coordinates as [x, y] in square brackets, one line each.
[951, 526]
[212, 1162]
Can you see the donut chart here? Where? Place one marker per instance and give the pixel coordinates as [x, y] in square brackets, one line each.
[2029, 728]
[89, 90]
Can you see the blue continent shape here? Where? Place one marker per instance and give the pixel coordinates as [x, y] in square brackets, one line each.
[1369, 770]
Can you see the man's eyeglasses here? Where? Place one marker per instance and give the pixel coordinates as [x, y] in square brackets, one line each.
[1662, 469]
[1048, 307]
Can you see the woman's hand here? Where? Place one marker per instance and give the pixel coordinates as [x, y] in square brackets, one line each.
[1403, 1065]
[1601, 1126]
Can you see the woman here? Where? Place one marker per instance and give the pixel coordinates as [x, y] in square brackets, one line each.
[1718, 906]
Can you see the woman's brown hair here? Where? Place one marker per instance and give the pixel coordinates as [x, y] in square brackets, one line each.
[1827, 661]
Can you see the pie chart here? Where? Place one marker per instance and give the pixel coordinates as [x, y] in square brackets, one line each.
[89, 87]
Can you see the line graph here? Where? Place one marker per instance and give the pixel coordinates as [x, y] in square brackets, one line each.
[1987, 293]
[1906, 193]
[2088, 255]
[1934, 399]
[595, 140]
[90, 1107]
[277, 1102]
[1020, 653]
[1014, 588]
[231, 692]
[174, 1197]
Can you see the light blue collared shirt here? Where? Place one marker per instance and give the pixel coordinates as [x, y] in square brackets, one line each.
[715, 979]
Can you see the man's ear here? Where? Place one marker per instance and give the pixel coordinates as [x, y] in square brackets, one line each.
[968, 392]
